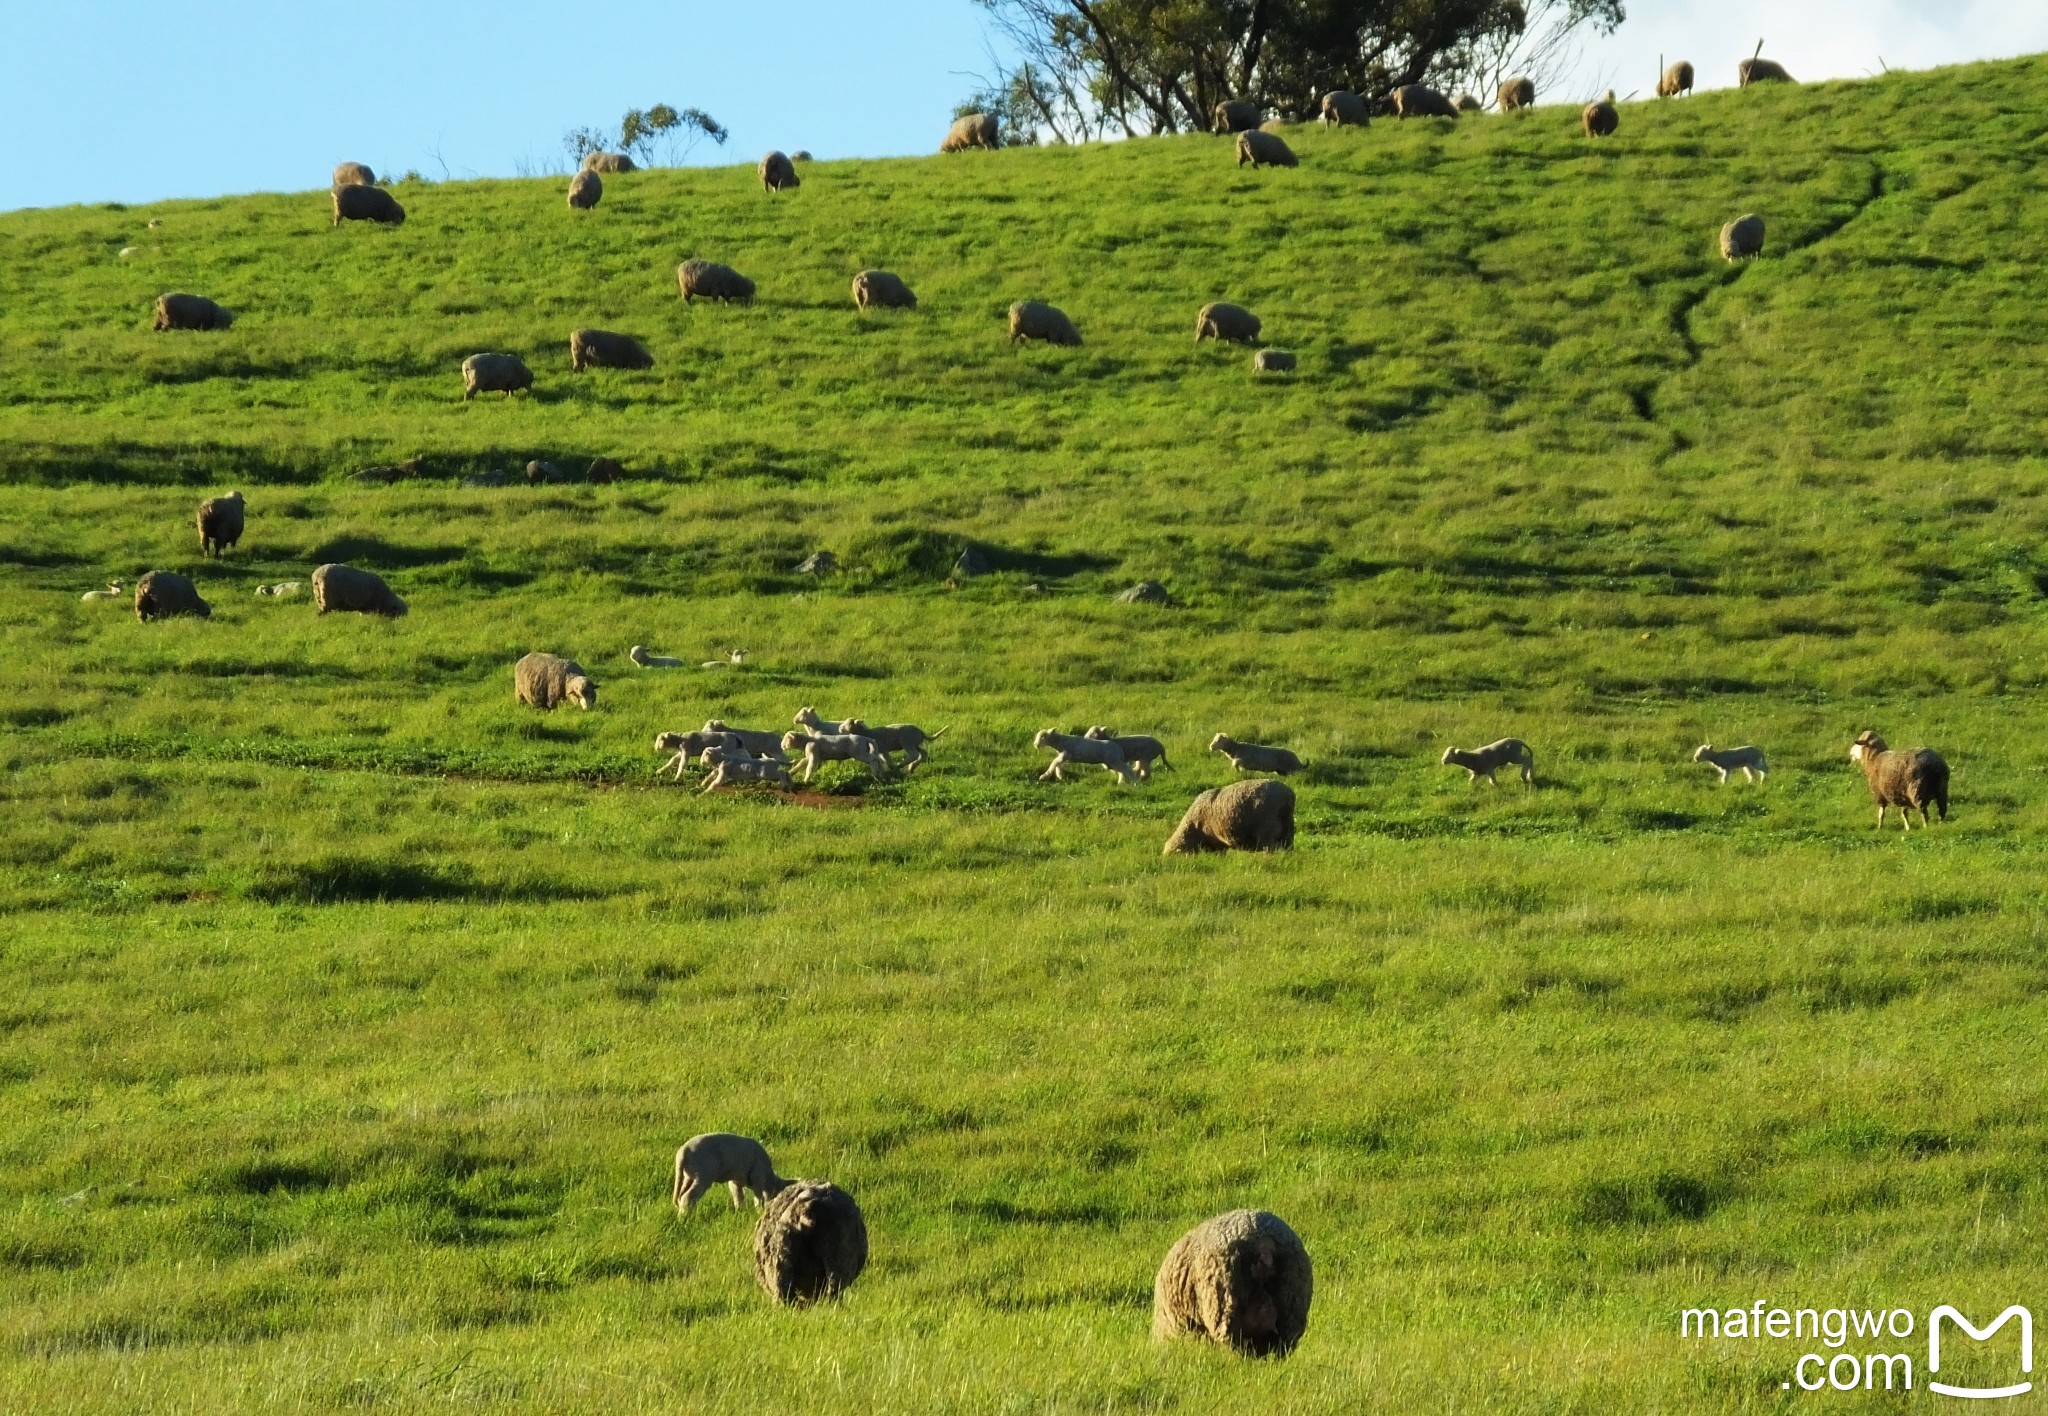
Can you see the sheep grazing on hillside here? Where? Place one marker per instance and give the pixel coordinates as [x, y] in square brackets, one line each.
[1675, 80]
[586, 190]
[1517, 93]
[879, 290]
[1757, 70]
[165, 594]
[114, 591]
[1468, 103]
[778, 173]
[546, 681]
[1911, 779]
[1236, 115]
[601, 349]
[1273, 361]
[358, 203]
[639, 655]
[180, 311]
[608, 162]
[1243, 816]
[1747, 760]
[1601, 118]
[1242, 1280]
[354, 174]
[820, 748]
[726, 771]
[1487, 760]
[811, 1243]
[708, 280]
[1250, 757]
[541, 472]
[1263, 149]
[971, 130]
[1081, 751]
[1422, 101]
[760, 742]
[343, 588]
[1145, 592]
[1032, 319]
[800, 155]
[1138, 750]
[1226, 322]
[1345, 109]
[495, 373]
[720, 1158]
[1742, 238]
[220, 523]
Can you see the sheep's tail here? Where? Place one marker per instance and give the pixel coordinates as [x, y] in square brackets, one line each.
[1167, 765]
[676, 1194]
[939, 734]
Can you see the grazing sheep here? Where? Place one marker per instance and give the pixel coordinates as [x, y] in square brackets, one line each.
[604, 470]
[720, 1158]
[1227, 322]
[760, 742]
[809, 721]
[1468, 103]
[1262, 149]
[355, 203]
[1139, 751]
[1422, 101]
[546, 681]
[1094, 752]
[1487, 760]
[220, 523]
[730, 771]
[586, 190]
[800, 155]
[1517, 93]
[1755, 70]
[281, 590]
[1236, 115]
[1145, 592]
[688, 747]
[818, 563]
[495, 373]
[1601, 117]
[608, 162]
[778, 173]
[1748, 760]
[1273, 361]
[879, 290]
[1250, 757]
[541, 472]
[1243, 816]
[820, 748]
[1346, 109]
[165, 594]
[811, 1243]
[1911, 779]
[971, 130]
[344, 588]
[114, 591]
[1675, 80]
[708, 280]
[354, 174]
[1242, 1280]
[180, 311]
[1743, 237]
[639, 655]
[1033, 319]
[601, 349]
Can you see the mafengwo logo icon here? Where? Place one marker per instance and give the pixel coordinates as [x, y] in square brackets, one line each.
[1934, 1321]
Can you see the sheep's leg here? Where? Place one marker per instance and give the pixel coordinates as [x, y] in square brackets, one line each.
[691, 1191]
[1880, 816]
[1053, 772]
[734, 1186]
[1722, 770]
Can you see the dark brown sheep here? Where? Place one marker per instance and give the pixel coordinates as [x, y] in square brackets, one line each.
[1242, 1280]
[708, 280]
[1676, 80]
[1601, 117]
[971, 130]
[1346, 109]
[586, 190]
[165, 594]
[879, 290]
[1244, 816]
[811, 1243]
[179, 311]
[1033, 319]
[1517, 93]
[359, 203]
[338, 588]
[778, 173]
[1421, 101]
[220, 523]
[1263, 149]
[601, 349]
[1236, 115]
[354, 174]
[1912, 779]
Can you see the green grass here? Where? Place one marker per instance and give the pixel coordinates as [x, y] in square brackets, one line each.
[354, 1012]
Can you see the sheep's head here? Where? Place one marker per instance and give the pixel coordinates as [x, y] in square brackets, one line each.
[714, 725]
[806, 718]
[1098, 733]
[581, 691]
[1868, 745]
[1219, 743]
[1449, 753]
[791, 741]
[638, 654]
[1044, 738]
[1701, 754]
[668, 742]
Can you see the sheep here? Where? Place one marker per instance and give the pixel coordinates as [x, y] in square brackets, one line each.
[604, 470]
[114, 591]
[708, 280]
[601, 349]
[1517, 93]
[1242, 1280]
[639, 655]
[1089, 751]
[1250, 757]
[1909, 779]
[343, 587]
[730, 771]
[281, 590]
[1748, 760]
[1262, 149]
[1742, 237]
[165, 594]
[1421, 101]
[1243, 816]
[811, 1243]
[1345, 109]
[1601, 117]
[1675, 80]
[807, 718]
[1226, 322]
[1033, 319]
[220, 521]
[1236, 115]
[541, 472]
[495, 373]
[971, 130]
[608, 162]
[586, 190]
[354, 174]
[818, 563]
[778, 173]
[733, 659]
[906, 738]
[820, 748]
[687, 747]
[1468, 103]
[545, 681]
[1487, 760]
[177, 310]
[720, 1158]
[1139, 751]
[127, 251]
[800, 155]
[1145, 592]
[1273, 361]
[879, 290]
[1755, 70]
[357, 203]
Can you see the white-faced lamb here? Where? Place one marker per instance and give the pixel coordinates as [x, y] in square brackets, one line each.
[1081, 751]
[760, 742]
[114, 591]
[1747, 760]
[1138, 750]
[1251, 757]
[820, 748]
[721, 1158]
[1487, 760]
[639, 655]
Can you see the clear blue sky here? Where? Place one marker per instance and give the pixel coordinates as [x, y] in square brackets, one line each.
[133, 100]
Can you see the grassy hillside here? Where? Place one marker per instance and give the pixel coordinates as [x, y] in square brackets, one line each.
[356, 1011]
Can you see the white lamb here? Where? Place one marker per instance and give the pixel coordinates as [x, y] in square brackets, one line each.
[639, 655]
[837, 747]
[1748, 760]
[1487, 760]
[1094, 752]
[112, 592]
[727, 770]
[720, 1158]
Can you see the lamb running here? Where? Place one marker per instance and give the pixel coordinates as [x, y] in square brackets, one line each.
[1084, 751]
[727, 771]
[688, 746]
[639, 655]
[1487, 760]
[720, 1158]
[808, 719]
[1140, 752]
[760, 743]
[820, 748]
[1748, 760]
[1250, 757]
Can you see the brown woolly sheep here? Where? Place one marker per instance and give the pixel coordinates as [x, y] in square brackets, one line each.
[586, 190]
[1422, 101]
[608, 162]
[354, 174]
[720, 1158]
[879, 290]
[547, 681]
[1273, 361]
[1243, 816]
[1242, 1280]
[1263, 149]
[1601, 117]
[179, 311]
[1675, 80]
[708, 280]
[1032, 319]
[1345, 109]
[601, 349]
[542, 472]
[1517, 93]
[1468, 103]
[603, 470]
[811, 1243]
[971, 130]
[1755, 70]
[344, 588]
[495, 373]
[1226, 322]
[1235, 115]
[220, 523]
[1742, 237]
[778, 173]
[1911, 779]
[165, 594]
[357, 203]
